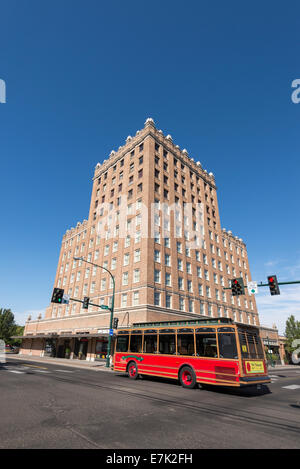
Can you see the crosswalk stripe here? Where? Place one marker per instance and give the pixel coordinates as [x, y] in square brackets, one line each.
[15, 371]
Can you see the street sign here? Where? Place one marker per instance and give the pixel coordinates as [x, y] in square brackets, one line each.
[66, 299]
[102, 331]
[111, 332]
[252, 288]
[104, 307]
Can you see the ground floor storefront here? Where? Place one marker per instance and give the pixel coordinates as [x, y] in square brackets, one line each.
[73, 347]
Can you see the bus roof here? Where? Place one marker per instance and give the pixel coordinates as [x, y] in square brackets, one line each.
[201, 322]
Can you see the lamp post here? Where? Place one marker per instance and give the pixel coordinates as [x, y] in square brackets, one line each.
[111, 308]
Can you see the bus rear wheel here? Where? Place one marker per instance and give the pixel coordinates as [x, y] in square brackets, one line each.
[132, 370]
[187, 377]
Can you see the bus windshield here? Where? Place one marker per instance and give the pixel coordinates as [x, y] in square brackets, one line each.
[250, 343]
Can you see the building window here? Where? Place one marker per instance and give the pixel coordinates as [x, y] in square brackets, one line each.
[137, 255]
[157, 276]
[156, 256]
[136, 298]
[137, 236]
[157, 298]
[125, 278]
[124, 300]
[168, 279]
[136, 275]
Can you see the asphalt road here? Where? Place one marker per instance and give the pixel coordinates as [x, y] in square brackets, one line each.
[53, 406]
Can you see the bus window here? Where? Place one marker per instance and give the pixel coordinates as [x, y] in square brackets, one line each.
[122, 343]
[227, 346]
[136, 343]
[185, 344]
[250, 343]
[167, 343]
[206, 345]
[150, 343]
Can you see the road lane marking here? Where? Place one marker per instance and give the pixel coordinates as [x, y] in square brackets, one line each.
[15, 371]
[42, 371]
[65, 371]
[292, 386]
[36, 366]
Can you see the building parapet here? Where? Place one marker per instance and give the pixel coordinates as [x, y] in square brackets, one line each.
[74, 231]
[228, 234]
[167, 141]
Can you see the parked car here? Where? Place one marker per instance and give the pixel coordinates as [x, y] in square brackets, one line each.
[11, 348]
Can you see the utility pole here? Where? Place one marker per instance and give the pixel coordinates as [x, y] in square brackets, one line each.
[111, 308]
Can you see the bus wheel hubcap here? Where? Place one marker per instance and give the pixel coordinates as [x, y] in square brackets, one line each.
[187, 377]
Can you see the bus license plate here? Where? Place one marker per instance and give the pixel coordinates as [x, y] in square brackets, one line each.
[255, 367]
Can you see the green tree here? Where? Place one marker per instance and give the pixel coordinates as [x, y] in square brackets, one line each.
[292, 332]
[19, 330]
[8, 327]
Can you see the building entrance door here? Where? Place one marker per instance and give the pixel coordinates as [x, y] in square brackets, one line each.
[80, 349]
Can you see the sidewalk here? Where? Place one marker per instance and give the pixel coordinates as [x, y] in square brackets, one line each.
[94, 366]
[284, 367]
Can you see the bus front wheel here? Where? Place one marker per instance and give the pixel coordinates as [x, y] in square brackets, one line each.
[187, 377]
[132, 370]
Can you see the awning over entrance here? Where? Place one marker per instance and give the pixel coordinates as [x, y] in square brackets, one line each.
[60, 336]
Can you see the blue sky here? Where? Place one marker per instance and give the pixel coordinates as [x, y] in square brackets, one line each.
[82, 75]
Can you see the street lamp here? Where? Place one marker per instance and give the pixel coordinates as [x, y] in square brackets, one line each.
[111, 307]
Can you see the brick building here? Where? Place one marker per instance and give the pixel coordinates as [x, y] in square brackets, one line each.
[274, 343]
[154, 223]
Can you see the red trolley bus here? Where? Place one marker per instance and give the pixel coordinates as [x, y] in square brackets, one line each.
[208, 351]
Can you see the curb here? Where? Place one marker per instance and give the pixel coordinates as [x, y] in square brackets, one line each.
[70, 365]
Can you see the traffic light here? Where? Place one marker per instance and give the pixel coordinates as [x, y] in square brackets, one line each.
[115, 323]
[273, 285]
[57, 295]
[237, 286]
[86, 301]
